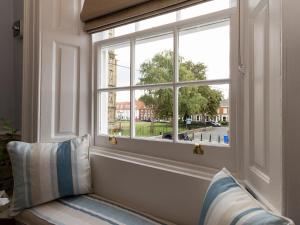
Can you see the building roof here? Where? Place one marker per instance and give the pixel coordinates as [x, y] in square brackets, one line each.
[126, 105]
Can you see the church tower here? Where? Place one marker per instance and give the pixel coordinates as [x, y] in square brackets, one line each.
[112, 82]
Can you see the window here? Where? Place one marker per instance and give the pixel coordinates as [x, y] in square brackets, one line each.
[170, 78]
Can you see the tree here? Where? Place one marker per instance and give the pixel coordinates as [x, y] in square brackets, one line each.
[201, 100]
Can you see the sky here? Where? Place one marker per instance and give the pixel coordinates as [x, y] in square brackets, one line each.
[209, 46]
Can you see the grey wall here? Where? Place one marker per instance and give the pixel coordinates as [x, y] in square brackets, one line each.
[18, 60]
[7, 79]
[291, 107]
[10, 62]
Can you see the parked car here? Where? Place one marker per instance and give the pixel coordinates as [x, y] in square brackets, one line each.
[164, 121]
[188, 121]
[181, 136]
[212, 123]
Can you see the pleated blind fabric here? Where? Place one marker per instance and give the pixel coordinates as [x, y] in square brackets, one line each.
[99, 15]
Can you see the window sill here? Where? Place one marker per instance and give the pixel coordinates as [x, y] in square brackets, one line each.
[214, 156]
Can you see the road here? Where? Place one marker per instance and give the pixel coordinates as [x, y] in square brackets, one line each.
[215, 133]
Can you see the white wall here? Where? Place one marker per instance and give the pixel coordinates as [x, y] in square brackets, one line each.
[10, 63]
[262, 102]
[168, 195]
[64, 75]
[291, 107]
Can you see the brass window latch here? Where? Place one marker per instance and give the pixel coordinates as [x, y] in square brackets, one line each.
[198, 150]
[112, 140]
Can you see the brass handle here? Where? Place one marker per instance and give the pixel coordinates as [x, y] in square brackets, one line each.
[112, 140]
[198, 150]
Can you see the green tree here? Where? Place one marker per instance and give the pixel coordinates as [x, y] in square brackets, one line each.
[192, 100]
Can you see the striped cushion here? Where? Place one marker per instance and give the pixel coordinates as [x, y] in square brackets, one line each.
[87, 210]
[47, 171]
[228, 203]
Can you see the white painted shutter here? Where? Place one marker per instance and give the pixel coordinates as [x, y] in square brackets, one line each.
[263, 119]
[64, 71]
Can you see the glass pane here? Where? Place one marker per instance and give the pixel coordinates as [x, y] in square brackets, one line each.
[205, 8]
[115, 113]
[153, 113]
[115, 32]
[204, 52]
[115, 66]
[157, 21]
[204, 114]
[122, 30]
[154, 60]
[99, 36]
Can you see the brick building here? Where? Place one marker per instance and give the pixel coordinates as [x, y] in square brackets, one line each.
[142, 113]
[222, 113]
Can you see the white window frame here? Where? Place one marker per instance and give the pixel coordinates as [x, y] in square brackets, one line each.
[215, 155]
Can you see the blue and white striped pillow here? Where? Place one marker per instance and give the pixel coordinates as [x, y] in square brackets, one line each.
[228, 203]
[46, 171]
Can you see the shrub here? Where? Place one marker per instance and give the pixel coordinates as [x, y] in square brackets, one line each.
[224, 123]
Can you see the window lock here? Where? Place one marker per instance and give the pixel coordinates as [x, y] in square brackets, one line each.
[198, 150]
[112, 140]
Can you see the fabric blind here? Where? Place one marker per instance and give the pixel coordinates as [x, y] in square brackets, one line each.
[99, 15]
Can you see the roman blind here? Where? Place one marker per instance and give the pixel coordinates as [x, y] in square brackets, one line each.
[99, 15]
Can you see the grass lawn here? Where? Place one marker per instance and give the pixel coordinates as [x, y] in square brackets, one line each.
[144, 129]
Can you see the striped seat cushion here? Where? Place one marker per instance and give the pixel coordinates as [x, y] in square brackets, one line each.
[84, 210]
[228, 203]
[46, 171]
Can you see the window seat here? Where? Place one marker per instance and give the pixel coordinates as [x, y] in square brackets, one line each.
[84, 209]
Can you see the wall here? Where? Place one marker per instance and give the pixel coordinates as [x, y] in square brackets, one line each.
[262, 102]
[17, 65]
[61, 78]
[10, 63]
[291, 107]
[165, 194]
[7, 96]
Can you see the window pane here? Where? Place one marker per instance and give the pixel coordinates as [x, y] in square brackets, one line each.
[154, 60]
[153, 113]
[115, 113]
[204, 52]
[205, 8]
[99, 36]
[122, 30]
[157, 21]
[115, 66]
[204, 114]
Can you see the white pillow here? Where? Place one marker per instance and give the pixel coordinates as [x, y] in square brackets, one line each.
[46, 171]
[228, 203]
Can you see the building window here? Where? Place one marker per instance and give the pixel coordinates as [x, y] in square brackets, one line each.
[168, 79]
[225, 110]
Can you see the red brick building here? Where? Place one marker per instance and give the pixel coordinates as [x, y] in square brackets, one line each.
[141, 111]
[223, 111]
[144, 112]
